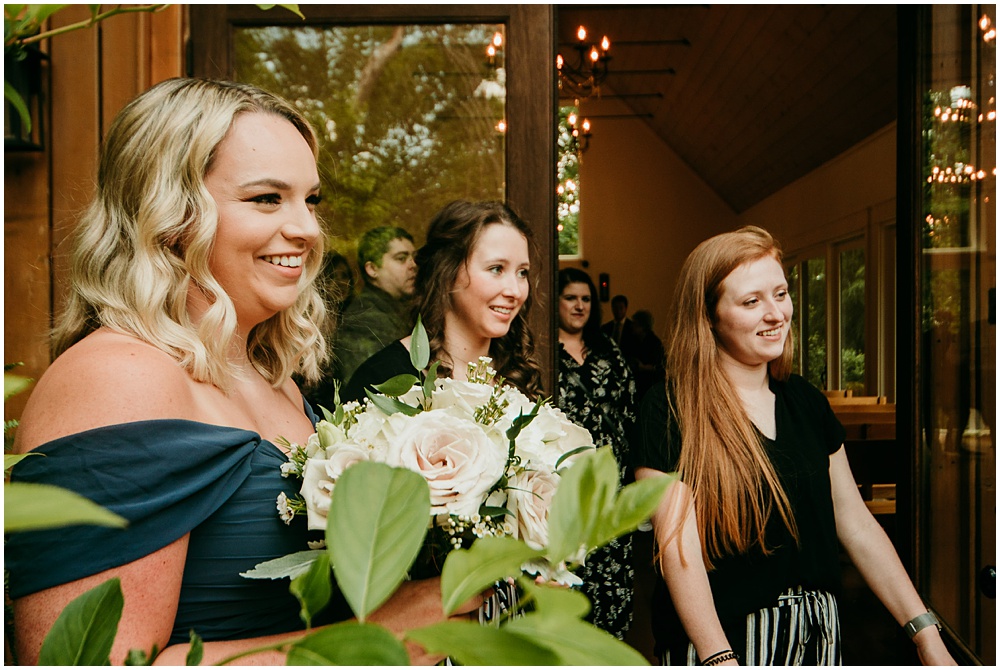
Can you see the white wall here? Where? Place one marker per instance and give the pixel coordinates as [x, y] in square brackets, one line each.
[837, 200]
[642, 212]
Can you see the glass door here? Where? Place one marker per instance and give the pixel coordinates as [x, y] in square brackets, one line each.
[956, 373]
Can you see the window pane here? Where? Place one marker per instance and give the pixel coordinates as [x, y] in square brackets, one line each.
[814, 326]
[852, 320]
[408, 117]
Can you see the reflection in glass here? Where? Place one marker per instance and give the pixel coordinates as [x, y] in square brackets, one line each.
[408, 117]
[958, 321]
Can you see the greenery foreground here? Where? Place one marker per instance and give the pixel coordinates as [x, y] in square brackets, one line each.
[376, 527]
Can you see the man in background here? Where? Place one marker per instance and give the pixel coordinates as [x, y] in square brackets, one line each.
[620, 329]
[380, 314]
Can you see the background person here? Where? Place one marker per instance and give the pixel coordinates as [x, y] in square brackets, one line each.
[748, 540]
[473, 293]
[191, 305]
[381, 313]
[620, 328]
[596, 391]
[648, 361]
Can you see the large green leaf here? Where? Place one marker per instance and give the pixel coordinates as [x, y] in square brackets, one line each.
[468, 572]
[575, 642]
[349, 643]
[86, 629]
[634, 504]
[29, 506]
[376, 526]
[313, 588]
[555, 600]
[392, 405]
[290, 565]
[420, 346]
[473, 644]
[586, 492]
[10, 460]
[398, 385]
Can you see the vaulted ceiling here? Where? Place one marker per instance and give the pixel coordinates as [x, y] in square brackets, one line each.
[751, 97]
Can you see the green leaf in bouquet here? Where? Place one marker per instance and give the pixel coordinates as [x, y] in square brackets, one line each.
[420, 346]
[397, 386]
[10, 460]
[86, 629]
[522, 420]
[30, 506]
[487, 510]
[571, 453]
[468, 572]
[392, 405]
[291, 565]
[349, 643]
[554, 600]
[574, 642]
[585, 492]
[196, 650]
[634, 504]
[375, 528]
[140, 657]
[313, 588]
[430, 379]
[472, 644]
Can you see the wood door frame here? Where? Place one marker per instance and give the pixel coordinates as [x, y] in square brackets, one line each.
[531, 110]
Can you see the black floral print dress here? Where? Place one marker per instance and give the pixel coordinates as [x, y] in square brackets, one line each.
[600, 396]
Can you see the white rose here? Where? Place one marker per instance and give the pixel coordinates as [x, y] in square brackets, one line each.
[319, 476]
[316, 488]
[464, 396]
[341, 457]
[369, 433]
[459, 459]
[549, 436]
[529, 497]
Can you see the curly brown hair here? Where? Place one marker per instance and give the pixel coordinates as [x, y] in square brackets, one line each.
[451, 237]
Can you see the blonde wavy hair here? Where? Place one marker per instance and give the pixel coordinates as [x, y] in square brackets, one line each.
[722, 460]
[147, 236]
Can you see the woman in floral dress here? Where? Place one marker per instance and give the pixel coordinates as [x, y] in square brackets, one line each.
[597, 391]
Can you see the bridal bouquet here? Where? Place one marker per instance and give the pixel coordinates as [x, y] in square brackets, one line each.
[491, 457]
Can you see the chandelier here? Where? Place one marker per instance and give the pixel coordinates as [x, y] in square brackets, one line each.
[582, 76]
[579, 132]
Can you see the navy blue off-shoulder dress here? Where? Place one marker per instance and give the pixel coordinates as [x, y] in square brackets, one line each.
[168, 478]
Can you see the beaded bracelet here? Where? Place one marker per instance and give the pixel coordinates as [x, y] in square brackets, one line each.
[720, 657]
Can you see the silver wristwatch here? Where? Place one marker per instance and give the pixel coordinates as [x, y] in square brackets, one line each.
[920, 622]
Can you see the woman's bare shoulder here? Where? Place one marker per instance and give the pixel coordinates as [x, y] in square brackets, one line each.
[105, 379]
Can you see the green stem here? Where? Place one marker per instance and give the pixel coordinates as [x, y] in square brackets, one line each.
[88, 22]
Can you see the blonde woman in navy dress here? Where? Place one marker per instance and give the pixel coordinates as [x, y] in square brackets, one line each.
[191, 305]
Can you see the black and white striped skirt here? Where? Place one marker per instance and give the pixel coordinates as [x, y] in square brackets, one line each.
[802, 629]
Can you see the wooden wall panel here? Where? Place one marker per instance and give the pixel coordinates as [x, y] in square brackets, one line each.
[92, 74]
[27, 302]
